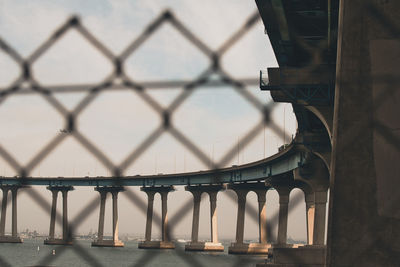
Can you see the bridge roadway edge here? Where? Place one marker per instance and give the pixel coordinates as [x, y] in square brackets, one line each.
[283, 162]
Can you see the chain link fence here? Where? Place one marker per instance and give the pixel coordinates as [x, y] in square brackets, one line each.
[26, 83]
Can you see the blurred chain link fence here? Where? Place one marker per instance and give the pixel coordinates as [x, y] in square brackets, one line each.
[27, 83]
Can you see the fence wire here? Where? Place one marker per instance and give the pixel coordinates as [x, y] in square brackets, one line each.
[26, 83]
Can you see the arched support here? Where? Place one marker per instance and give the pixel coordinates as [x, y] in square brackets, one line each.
[325, 115]
[239, 247]
[195, 244]
[14, 238]
[66, 235]
[165, 243]
[100, 241]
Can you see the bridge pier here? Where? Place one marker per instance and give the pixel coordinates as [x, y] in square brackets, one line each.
[212, 191]
[165, 242]
[313, 182]
[239, 247]
[14, 238]
[66, 235]
[283, 191]
[114, 242]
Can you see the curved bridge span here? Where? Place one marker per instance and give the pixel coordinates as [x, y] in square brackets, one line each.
[280, 163]
[293, 167]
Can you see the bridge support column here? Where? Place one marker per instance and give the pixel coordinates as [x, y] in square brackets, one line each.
[66, 235]
[283, 192]
[100, 232]
[53, 214]
[100, 241]
[319, 216]
[149, 219]
[310, 213]
[14, 238]
[3, 211]
[165, 243]
[239, 247]
[195, 244]
[262, 217]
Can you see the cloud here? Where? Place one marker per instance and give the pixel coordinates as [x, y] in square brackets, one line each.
[212, 117]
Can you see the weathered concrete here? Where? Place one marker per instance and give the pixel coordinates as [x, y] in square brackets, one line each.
[364, 214]
[195, 244]
[204, 246]
[239, 247]
[14, 238]
[66, 236]
[100, 241]
[108, 243]
[252, 248]
[165, 243]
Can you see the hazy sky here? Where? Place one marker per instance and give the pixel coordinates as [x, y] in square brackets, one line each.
[213, 118]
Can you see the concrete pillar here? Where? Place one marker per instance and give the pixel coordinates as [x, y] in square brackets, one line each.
[149, 219]
[283, 214]
[262, 217]
[241, 195]
[319, 219]
[53, 214]
[115, 215]
[14, 230]
[65, 215]
[213, 216]
[100, 233]
[164, 217]
[196, 216]
[3, 211]
[310, 213]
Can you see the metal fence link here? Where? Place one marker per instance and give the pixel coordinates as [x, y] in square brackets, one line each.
[26, 83]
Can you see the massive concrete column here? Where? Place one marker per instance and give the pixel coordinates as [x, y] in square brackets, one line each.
[14, 238]
[195, 244]
[14, 212]
[284, 192]
[364, 217]
[213, 216]
[165, 242]
[310, 214]
[3, 211]
[100, 232]
[149, 219]
[261, 247]
[164, 217]
[66, 235]
[262, 216]
[114, 242]
[115, 215]
[196, 215]
[53, 214]
[241, 198]
[319, 217]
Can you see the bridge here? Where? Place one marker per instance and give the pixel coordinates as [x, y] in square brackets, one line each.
[304, 163]
[279, 172]
[306, 40]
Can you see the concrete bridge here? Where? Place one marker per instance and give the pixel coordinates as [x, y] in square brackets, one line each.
[291, 168]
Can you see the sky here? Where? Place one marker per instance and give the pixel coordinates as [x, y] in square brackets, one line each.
[214, 118]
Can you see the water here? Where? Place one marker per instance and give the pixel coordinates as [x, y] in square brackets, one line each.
[82, 254]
